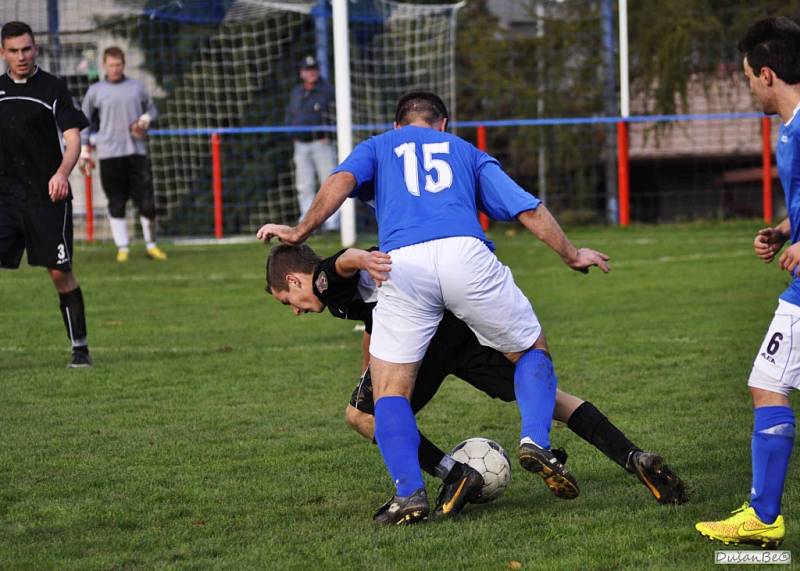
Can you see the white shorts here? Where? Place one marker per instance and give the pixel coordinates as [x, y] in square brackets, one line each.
[459, 274]
[777, 365]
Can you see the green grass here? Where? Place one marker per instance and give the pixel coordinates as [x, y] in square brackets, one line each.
[210, 432]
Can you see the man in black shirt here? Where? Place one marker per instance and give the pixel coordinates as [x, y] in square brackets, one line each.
[37, 114]
[299, 278]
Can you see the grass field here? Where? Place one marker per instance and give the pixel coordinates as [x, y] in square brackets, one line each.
[210, 432]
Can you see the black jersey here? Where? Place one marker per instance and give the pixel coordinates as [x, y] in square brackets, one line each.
[33, 116]
[341, 295]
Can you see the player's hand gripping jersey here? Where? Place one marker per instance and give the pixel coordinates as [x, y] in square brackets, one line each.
[425, 185]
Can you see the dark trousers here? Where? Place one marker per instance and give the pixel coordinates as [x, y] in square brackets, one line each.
[126, 178]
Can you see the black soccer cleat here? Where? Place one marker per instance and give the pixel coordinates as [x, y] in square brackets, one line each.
[80, 359]
[465, 487]
[404, 510]
[663, 483]
[541, 461]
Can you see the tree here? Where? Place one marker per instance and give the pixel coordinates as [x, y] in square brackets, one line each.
[677, 41]
[560, 72]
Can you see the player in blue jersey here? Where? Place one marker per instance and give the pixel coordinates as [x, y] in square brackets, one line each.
[427, 186]
[771, 50]
[305, 283]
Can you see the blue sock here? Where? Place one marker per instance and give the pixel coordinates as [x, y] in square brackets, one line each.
[398, 440]
[773, 437]
[535, 386]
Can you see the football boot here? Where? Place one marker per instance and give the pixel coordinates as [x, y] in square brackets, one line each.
[79, 360]
[744, 526]
[156, 253]
[404, 510]
[465, 486]
[544, 462]
[663, 483]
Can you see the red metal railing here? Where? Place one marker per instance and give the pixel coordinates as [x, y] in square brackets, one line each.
[216, 182]
[623, 175]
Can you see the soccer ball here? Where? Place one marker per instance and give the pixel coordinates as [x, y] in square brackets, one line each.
[488, 458]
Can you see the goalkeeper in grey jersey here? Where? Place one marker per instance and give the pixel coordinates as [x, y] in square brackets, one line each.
[124, 110]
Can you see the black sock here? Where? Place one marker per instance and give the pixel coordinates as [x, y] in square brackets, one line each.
[429, 455]
[592, 425]
[74, 317]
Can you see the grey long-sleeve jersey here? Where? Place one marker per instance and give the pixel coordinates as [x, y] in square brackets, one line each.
[117, 105]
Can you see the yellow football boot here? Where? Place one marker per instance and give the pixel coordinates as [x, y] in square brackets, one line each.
[744, 526]
[122, 256]
[156, 253]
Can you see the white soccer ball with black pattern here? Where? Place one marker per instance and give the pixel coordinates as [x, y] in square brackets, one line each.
[488, 458]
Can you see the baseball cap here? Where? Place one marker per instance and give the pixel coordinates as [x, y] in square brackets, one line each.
[308, 61]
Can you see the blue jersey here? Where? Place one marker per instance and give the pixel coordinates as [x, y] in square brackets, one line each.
[426, 185]
[787, 155]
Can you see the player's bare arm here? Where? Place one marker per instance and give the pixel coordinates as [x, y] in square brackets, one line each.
[542, 224]
[365, 339]
[285, 234]
[332, 194]
[58, 186]
[769, 241]
[85, 161]
[377, 264]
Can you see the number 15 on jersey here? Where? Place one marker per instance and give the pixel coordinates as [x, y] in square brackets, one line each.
[441, 175]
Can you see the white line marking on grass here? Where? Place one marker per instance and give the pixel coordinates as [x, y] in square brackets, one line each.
[156, 278]
[214, 241]
[640, 262]
[179, 350]
[693, 257]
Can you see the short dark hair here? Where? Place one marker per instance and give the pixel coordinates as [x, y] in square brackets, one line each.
[285, 259]
[420, 105]
[773, 43]
[115, 52]
[15, 30]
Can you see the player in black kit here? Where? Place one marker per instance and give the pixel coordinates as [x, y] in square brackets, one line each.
[37, 114]
[299, 278]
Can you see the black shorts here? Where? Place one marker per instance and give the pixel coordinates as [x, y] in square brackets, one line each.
[128, 178]
[454, 350]
[44, 231]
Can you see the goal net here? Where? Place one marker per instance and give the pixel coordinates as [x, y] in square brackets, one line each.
[228, 67]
